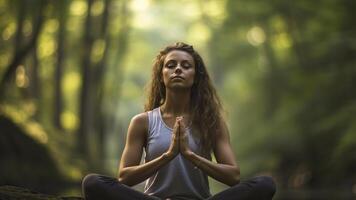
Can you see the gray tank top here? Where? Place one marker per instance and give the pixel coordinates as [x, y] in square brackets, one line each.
[179, 179]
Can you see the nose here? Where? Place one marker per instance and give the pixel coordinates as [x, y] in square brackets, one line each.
[178, 69]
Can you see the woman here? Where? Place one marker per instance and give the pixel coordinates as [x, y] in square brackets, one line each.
[180, 128]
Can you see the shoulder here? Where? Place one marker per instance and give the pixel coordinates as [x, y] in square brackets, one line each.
[140, 118]
[137, 129]
[140, 121]
[222, 132]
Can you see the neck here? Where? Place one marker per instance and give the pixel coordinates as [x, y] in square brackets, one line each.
[177, 103]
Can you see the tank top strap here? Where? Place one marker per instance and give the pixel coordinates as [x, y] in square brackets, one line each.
[153, 120]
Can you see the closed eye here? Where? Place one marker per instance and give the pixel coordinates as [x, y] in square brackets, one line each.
[171, 64]
[186, 64]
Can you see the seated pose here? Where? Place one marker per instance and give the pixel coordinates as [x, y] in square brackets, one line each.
[180, 128]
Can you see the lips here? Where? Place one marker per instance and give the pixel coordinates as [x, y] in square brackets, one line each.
[177, 77]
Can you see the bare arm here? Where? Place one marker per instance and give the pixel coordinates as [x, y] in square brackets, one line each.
[130, 170]
[226, 169]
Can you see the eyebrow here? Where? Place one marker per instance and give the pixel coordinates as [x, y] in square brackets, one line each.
[176, 60]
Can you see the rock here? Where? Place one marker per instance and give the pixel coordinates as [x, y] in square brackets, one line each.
[25, 162]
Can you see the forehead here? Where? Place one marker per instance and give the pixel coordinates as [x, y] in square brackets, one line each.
[178, 55]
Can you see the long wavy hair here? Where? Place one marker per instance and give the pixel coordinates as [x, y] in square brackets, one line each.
[206, 109]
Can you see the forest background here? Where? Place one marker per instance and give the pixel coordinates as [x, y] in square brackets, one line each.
[72, 75]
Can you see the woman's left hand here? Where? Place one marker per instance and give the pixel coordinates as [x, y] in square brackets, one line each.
[183, 139]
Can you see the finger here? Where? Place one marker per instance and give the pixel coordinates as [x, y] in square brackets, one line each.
[182, 135]
[182, 124]
[176, 124]
[178, 132]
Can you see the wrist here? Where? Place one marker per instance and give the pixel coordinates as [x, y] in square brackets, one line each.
[193, 158]
[188, 154]
[168, 155]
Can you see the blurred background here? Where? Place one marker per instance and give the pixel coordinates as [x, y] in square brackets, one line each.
[73, 72]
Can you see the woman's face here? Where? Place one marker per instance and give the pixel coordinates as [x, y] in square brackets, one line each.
[178, 70]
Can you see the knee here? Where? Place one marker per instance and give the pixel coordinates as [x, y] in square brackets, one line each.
[266, 185]
[90, 182]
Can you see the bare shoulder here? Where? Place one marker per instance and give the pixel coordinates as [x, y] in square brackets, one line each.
[223, 131]
[139, 123]
[140, 118]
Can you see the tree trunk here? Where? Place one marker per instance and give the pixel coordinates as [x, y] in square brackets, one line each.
[122, 38]
[58, 105]
[35, 82]
[272, 81]
[85, 98]
[100, 83]
[23, 51]
[20, 21]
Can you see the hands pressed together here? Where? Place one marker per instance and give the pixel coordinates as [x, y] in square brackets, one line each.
[179, 143]
[225, 170]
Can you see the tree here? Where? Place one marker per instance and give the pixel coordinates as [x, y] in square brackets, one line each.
[22, 52]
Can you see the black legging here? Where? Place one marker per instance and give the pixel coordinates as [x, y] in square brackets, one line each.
[98, 187]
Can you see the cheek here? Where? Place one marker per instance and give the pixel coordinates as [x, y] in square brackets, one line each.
[192, 75]
[164, 75]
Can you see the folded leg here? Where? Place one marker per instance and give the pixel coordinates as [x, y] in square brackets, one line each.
[258, 188]
[98, 187]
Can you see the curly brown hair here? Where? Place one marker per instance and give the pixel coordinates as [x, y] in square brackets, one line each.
[206, 108]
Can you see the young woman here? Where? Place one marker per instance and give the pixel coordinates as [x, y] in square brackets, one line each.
[180, 128]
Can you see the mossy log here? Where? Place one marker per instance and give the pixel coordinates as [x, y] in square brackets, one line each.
[8, 192]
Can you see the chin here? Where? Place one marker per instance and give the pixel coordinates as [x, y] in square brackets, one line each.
[179, 86]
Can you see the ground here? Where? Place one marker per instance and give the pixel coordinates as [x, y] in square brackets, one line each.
[16, 193]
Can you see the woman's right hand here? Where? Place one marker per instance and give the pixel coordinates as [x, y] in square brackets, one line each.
[174, 147]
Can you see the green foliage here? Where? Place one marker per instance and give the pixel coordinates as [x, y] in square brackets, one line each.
[293, 102]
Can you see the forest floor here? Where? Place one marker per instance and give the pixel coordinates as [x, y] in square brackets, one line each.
[16, 193]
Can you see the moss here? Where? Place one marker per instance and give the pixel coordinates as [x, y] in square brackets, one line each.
[13, 193]
[26, 162]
